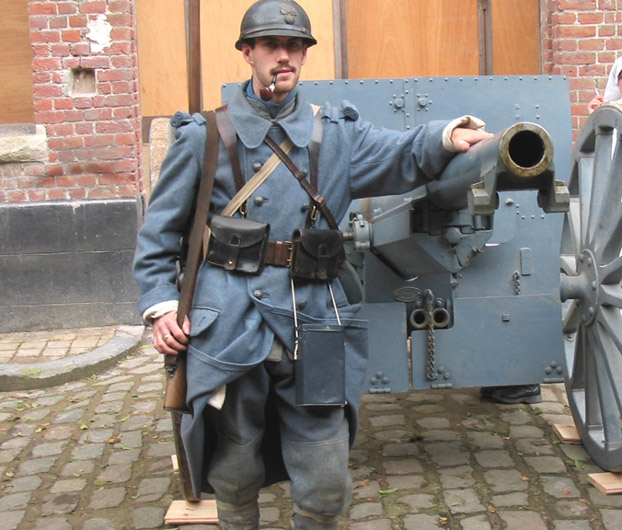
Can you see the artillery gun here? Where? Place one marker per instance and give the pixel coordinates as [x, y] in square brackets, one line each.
[463, 281]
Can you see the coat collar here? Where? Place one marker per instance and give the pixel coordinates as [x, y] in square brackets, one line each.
[252, 128]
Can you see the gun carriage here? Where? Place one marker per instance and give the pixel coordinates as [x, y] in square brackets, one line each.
[506, 270]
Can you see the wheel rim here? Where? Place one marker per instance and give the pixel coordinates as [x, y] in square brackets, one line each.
[591, 269]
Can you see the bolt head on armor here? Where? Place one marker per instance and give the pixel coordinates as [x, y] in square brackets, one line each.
[282, 18]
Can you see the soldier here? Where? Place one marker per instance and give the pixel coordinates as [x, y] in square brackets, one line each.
[246, 428]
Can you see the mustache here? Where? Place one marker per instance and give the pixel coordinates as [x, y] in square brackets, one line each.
[280, 70]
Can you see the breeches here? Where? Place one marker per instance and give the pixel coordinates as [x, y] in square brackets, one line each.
[314, 443]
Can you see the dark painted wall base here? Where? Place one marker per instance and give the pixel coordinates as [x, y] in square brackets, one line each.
[68, 264]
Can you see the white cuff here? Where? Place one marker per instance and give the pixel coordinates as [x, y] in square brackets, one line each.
[157, 310]
[468, 122]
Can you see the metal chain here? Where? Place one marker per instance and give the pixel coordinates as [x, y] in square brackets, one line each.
[516, 278]
[430, 371]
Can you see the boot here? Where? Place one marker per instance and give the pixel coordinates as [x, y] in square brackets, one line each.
[238, 517]
[301, 522]
[516, 394]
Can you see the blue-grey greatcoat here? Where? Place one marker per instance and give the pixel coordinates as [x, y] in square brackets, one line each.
[235, 318]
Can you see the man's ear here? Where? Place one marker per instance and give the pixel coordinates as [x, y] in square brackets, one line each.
[304, 56]
[247, 53]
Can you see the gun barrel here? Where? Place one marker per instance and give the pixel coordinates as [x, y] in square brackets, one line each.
[515, 157]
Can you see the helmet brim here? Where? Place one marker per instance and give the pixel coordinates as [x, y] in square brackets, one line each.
[270, 32]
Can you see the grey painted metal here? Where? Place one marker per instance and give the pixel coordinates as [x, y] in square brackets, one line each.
[591, 274]
[502, 300]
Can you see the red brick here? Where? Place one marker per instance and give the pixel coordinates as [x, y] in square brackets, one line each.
[80, 49]
[71, 62]
[66, 155]
[63, 103]
[77, 193]
[95, 61]
[577, 31]
[69, 142]
[120, 48]
[99, 140]
[595, 17]
[16, 196]
[49, 117]
[566, 45]
[591, 44]
[44, 36]
[85, 155]
[41, 105]
[51, 171]
[53, 63]
[37, 23]
[100, 193]
[119, 6]
[83, 103]
[100, 167]
[57, 195]
[614, 44]
[129, 191]
[35, 170]
[122, 87]
[120, 20]
[125, 139]
[121, 34]
[84, 128]
[127, 165]
[42, 8]
[36, 195]
[78, 21]
[113, 127]
[59, 22]
[72, 35]
[97, 114]
[606, 30]
[117, 178]
[104, 89]
[66, 181]
[124, 113]
[116, 74]
[580, 5]
[86, 180]
[74, 115]
[63, 129]
[67, 8]
[74, 168]
[60, 50]
[577, 58]
[93, 7]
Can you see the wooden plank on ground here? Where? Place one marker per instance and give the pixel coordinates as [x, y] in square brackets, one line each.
[175, 463]
[184, 512]
[607, 483]
[568, 434]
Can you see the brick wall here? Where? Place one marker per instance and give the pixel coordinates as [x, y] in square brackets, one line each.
[581, 40]
[86, 96]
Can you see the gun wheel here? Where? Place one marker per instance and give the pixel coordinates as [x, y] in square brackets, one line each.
[591, 270]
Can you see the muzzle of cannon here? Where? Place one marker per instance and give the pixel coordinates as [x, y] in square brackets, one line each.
[518, 158]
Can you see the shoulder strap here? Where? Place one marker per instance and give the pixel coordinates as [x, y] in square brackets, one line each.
[230, 139]
[204, 197]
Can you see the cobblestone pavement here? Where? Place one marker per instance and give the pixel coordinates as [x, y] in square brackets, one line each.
[94, 454]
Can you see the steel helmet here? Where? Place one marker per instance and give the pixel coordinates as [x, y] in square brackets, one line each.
[282, 18]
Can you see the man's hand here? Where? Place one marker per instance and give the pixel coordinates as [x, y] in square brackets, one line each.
[595, 103]
[463, 138]
[168, 337]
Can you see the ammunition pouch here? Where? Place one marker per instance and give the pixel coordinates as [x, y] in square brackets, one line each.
[238, 244]
[317, 254]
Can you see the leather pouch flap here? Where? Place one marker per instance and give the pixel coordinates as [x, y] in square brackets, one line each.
[320, 243]
[237, 232]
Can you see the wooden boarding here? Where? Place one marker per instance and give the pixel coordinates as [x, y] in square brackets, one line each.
[568, 434]
[183, 512]
[175, 463]
[607, 483]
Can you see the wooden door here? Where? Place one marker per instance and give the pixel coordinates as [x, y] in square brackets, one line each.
[384, 39]
[15, 61]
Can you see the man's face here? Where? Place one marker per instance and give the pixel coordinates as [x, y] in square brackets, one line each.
[283, 56]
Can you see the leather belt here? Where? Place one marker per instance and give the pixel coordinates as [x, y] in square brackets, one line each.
[279, 253]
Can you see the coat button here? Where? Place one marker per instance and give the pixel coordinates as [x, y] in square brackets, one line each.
[259, 201]
[257, 166]
[302, 305]
[258, 293]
